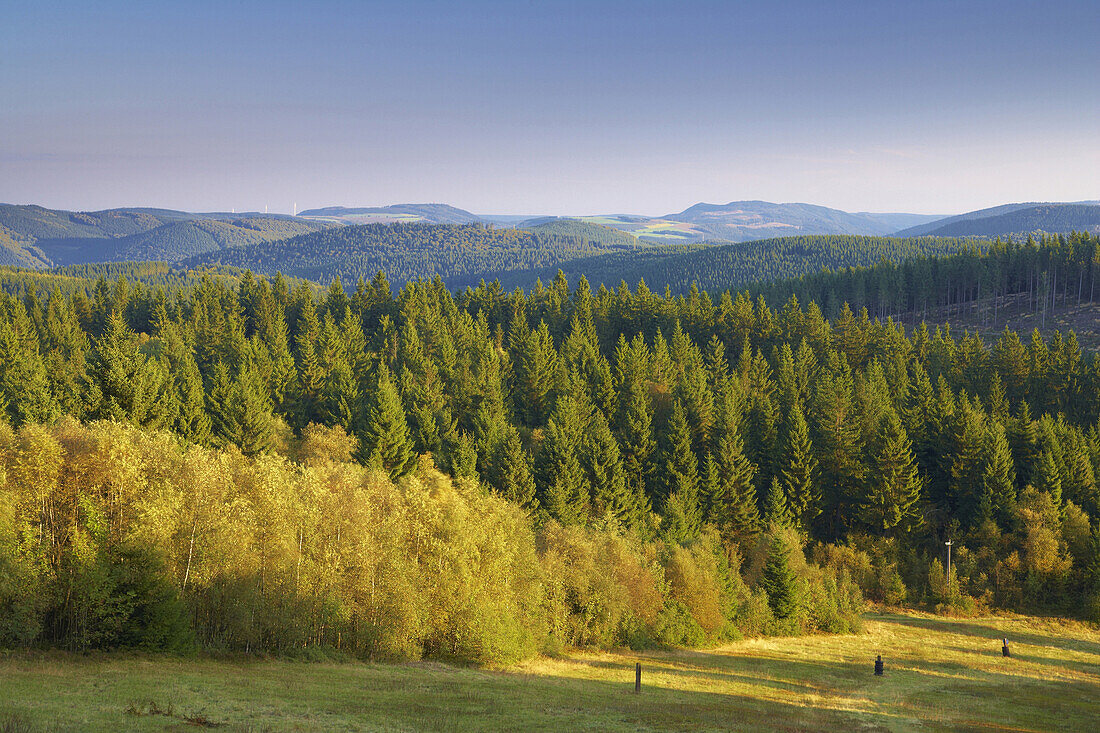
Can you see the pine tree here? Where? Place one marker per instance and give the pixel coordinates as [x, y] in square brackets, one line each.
[779, 580]
[680, 480]
[893, 484]
[998, 478]
[123, 384]
[733, 503]
[798, 472]
[776, 512]
[510, 470]
[384, 440]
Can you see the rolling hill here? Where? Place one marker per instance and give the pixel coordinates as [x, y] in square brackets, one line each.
[406, 213]
[737, 221]
[740, 221]
[1049, 218]
[581, 229]
[175, 241]
[719, 267]
[461, 254]
[992, 222]
[34, 236]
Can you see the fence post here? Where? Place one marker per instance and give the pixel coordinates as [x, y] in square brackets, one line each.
[637, 677]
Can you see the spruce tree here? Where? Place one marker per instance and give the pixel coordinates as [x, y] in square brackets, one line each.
[893, 484]
[564, 490]
[124, 385]
[776, 512]
[510, 470]
[838, 442]
[967, 456]
[733, 503]
[798, 471]
[606, 475]
[535, 364]
[779, 580]
[639, 447]
[24, 385]
[384, 440]
[998, 478]
[680, 478]
[463, 458]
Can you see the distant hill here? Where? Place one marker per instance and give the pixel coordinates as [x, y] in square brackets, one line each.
[461, 254]
[37, 222]
[408, 213]
[652, 230]
[581, 229]
[720, 267]
[176, 241]
[930, 227]
[34, 236]
[1050, 218]
[740, 221]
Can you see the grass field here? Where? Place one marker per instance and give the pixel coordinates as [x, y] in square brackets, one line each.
[941, 674]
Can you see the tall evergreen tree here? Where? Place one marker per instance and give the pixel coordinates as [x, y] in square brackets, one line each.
[893, 484]
[798, 472]
[680, 477]
[122, 383]
[384, 440]
[510, 470]
[564, 490]
[779, 581]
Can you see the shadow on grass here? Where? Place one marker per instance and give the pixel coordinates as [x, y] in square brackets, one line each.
[777, 675]
[971, 628]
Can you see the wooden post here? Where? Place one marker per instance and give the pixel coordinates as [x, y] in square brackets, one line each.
[637, 677]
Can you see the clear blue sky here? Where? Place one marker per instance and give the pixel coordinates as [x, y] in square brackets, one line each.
[549, 107]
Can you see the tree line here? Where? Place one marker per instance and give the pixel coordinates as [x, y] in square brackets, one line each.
[461, 254]
[1048, 273]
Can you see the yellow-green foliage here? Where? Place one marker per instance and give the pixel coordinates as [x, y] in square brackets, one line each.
[111, 536]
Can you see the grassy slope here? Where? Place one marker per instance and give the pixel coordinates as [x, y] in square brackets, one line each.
[942, 674]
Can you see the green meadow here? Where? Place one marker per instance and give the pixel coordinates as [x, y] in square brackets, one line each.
[941, 674]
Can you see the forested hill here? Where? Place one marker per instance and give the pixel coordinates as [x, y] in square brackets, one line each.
[1049, 218]
[719, 267]
[33, 236]
[740, 221]
[999, 221]
[460, 254]
[408, 213]
[582, 229]
[175, 241]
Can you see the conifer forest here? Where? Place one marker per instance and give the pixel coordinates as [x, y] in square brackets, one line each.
[256, 464]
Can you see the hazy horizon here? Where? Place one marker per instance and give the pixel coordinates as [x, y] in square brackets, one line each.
[562, 108]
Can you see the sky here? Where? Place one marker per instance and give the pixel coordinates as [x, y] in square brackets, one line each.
[549, 107]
